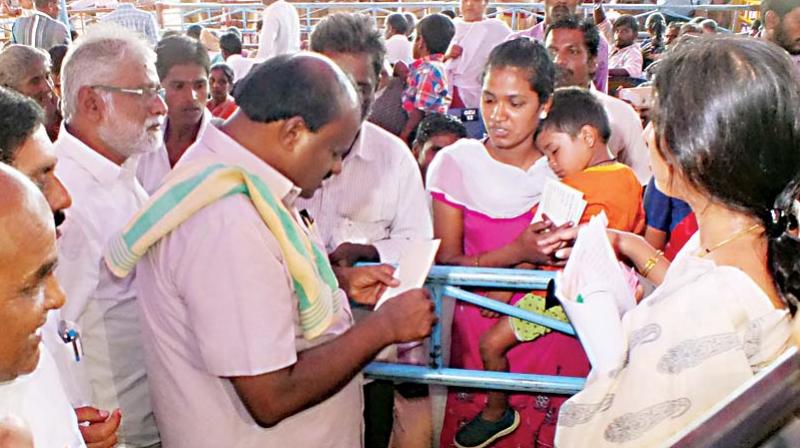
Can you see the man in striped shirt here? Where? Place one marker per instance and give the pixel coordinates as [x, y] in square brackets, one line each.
[127, 15]
[41, 30]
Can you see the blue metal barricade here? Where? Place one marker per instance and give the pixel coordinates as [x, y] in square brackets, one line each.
[445, 282]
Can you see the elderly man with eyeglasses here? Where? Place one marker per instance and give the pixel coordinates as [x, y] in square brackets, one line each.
[113, 112]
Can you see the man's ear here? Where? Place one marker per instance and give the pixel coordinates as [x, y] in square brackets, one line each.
[771, 20]
[293, 132]
[91, 104]
[591, 65]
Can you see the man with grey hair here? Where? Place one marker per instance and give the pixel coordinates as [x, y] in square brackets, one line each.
[27, 70]
[113, 112]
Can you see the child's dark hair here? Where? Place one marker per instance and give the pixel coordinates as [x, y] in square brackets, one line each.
[572, 109]
[528, 55]
[437, 124]
[436, 30]
[735, 136]
[591, 37]
[627, 20]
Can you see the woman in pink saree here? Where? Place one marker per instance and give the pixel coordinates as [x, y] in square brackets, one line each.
[483, 193]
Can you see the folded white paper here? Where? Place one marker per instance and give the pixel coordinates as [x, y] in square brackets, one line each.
[595, 294]
[413, 268]
[561, 203]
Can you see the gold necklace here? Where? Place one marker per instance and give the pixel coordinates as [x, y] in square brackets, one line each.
[736, 235]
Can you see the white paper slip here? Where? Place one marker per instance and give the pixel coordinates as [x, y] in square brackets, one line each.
[599, 327]
[561, 203]
[413, 268]
[595, 294]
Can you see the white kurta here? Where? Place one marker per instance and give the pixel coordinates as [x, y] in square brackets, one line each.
[111, 374]
[701, 334]
[280, 30]
[39, 401]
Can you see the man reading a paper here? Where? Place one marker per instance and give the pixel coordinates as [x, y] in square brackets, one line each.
[247, 333]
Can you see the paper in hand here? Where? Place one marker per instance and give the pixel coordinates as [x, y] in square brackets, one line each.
[413, 268]
[595, 293]
[561, 203]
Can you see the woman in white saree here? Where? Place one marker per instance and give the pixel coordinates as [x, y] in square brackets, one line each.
[725, 138]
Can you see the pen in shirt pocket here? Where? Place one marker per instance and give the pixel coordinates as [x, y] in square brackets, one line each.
[70, 334]
[307, 219]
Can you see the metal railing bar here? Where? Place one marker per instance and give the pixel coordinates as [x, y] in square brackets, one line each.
[478, 379]
[509, 310]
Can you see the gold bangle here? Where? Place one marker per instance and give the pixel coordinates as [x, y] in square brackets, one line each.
[651, 263]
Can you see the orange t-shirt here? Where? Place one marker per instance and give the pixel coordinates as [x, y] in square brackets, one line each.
[614, 189]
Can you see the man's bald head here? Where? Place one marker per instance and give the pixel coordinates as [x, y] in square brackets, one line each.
[28, 288]
[302, 84]
[23, 209]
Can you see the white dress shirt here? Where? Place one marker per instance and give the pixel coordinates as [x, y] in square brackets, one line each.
[104, 197]
[39, 401]
[398, 48]
[217, 301]
[280, 32]
[378, 199]
[627, 140]
[154, 166]
[240, 65]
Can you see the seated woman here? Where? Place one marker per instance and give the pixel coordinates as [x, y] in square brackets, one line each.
[483, 192]
[727, 146]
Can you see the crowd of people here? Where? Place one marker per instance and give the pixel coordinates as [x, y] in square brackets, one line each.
[195, 236]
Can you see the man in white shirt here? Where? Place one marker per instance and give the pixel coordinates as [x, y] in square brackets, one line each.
[24, 145]
[230, 44]
[183, 65]
[224, 346]
[573, 43]
[112, 113]
[30, 389]
[398, 47]
[280, 29]
[377, 205]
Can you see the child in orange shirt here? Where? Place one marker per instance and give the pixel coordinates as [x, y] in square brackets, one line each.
[573, 136]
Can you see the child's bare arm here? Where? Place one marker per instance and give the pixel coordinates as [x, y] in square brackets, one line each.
[500, 296]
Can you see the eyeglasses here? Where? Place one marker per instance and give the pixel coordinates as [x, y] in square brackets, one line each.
[146, 93]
